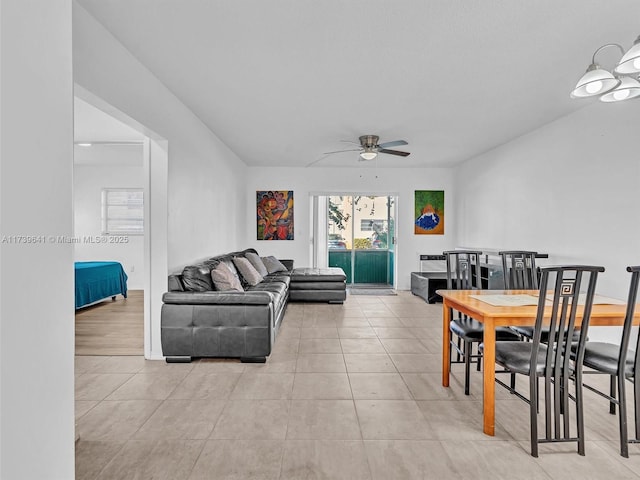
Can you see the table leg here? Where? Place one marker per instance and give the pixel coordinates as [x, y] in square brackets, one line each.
[489, 393]
[446, 345]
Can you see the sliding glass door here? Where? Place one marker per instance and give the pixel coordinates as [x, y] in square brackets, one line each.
[361, 238]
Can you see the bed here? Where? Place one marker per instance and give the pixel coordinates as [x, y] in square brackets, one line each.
[99, 280]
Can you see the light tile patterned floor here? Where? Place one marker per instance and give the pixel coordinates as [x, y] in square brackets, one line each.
[350, 392]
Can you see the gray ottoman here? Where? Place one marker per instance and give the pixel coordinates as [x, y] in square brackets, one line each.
[318, 285]
[425, 284]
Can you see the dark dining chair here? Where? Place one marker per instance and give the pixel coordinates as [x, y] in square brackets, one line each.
[520, 273]
[463, 273]
[620, 363]
[560, 301]
[519, 269]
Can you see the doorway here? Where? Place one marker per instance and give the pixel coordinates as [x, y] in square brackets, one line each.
[152, 155]
[361, 238]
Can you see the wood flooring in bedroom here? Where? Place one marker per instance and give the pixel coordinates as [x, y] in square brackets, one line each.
[112, 327]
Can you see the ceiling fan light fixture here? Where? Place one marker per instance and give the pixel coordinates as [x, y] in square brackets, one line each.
[369, 148]
[368, 155]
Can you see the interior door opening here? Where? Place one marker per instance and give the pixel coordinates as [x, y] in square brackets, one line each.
[361, 238]
[154, 184]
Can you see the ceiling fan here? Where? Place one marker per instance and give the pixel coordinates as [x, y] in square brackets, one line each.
[370, 148]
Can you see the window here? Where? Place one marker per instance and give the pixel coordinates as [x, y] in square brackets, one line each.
[122, 211]
[368, 225]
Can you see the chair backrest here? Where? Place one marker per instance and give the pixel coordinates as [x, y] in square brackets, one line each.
[519, 268]
[566, 292]
[562, 300]
[463, 269]
[628, 324]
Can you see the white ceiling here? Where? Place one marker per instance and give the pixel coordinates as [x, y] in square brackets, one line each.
[283, 81]
[93, 125]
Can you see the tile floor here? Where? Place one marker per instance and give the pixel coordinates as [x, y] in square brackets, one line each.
[350, 392]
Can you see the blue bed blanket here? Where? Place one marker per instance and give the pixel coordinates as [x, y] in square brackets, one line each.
[98, 280]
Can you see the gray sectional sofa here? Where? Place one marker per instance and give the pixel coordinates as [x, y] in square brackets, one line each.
[199, 321]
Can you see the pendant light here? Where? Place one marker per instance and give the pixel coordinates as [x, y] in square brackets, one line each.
[618, 86]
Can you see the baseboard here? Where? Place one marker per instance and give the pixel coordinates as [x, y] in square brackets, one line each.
[154, 356]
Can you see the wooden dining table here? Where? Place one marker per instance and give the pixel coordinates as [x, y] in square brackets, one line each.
[496, 316]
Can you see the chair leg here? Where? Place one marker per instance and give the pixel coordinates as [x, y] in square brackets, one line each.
[564, 410]
[513, 383]
[579, 413]
[467, 366]
[547, 406]
[612, 393]
[533, 414]
[636, 401]
[622, 414]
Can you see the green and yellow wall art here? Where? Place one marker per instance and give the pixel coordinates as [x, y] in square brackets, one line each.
[429, 212]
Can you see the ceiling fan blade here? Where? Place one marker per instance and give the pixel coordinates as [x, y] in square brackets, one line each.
[316, 160]
[340, 151]
[395, 143]
[326, 154]
[394, 152]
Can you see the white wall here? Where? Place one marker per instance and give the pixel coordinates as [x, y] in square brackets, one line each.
[95, 168]
[206, 190]
[569, 189]
[305, 181]
[36, 280]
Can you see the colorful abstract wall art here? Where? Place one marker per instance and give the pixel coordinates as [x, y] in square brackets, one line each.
[429, 212]
[275, 214]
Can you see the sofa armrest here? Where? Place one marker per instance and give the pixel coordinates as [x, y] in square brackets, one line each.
[175, 283]
[218, 298]
[287, 263]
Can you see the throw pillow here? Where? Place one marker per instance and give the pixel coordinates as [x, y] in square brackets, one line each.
[224, 279]
[229, 263]
[248, 272]
[273, 264]
[257, 263]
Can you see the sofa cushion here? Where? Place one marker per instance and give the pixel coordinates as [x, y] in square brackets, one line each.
[257, 263]
[273, 287]
[248, 272]
[277, 277]
[197, 278]
[273, 265]
[224, 279]
[278, 290]
[307, 274]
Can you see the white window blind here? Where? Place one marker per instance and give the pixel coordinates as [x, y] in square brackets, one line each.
[122, 211]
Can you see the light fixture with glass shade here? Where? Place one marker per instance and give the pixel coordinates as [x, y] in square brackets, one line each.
[368, 155]
[628, 88]
[596, 80]
[630, 61]
[611, 87]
